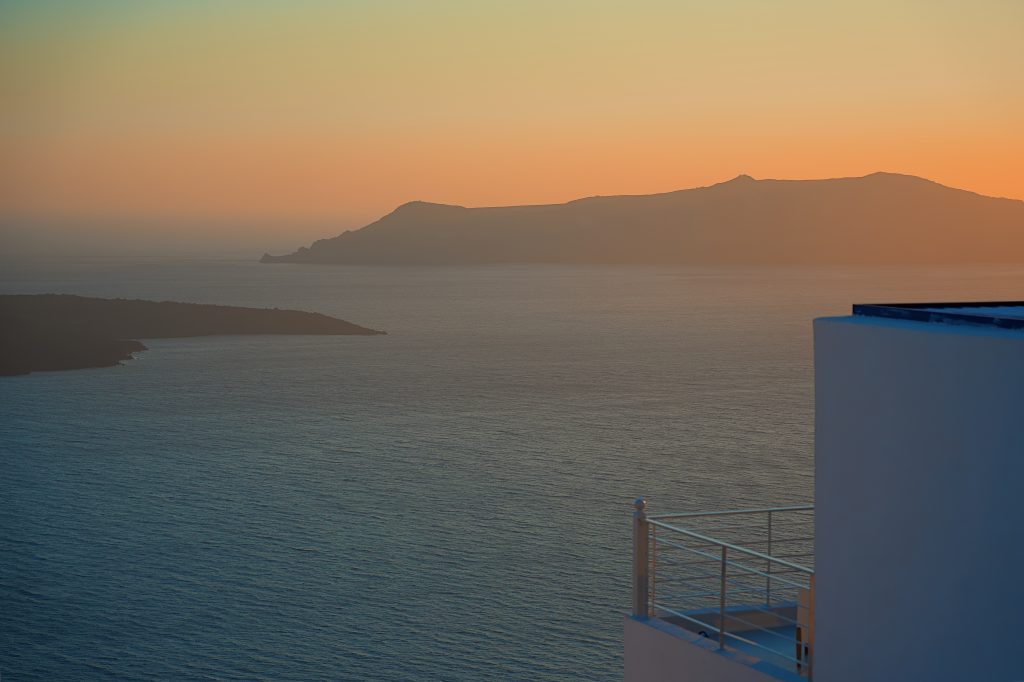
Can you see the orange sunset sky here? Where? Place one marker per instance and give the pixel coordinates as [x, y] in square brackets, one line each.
[227, 112]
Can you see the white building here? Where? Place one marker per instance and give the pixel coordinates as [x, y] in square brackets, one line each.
[916, 566]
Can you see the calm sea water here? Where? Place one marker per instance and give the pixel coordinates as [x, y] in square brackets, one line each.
[450, 501]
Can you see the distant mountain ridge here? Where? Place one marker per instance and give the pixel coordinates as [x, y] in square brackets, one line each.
[882, 218]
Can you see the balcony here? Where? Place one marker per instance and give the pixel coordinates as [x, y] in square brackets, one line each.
[724, 589]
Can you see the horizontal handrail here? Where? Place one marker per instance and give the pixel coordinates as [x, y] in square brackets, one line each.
[736, 564]
[728, 545]
[731, 512]
[701, 595]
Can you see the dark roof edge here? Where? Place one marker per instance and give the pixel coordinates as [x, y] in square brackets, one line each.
[925, 312]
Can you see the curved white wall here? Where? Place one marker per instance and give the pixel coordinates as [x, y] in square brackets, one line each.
[919, 529]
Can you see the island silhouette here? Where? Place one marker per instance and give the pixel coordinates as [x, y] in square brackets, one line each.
[882, 218]
[45, 332]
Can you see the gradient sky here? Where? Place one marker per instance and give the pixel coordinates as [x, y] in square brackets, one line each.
[227, 111]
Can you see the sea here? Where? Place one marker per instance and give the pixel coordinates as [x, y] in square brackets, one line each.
[448, 502]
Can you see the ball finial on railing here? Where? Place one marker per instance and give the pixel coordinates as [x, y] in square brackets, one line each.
[640, 504]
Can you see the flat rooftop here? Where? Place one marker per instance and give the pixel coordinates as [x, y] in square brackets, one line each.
[1001, 314]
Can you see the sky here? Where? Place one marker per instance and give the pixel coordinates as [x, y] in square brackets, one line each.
[302, 118]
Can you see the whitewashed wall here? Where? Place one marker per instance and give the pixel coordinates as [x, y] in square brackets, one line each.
[919, 502]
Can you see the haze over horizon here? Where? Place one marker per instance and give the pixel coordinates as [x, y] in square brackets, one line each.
[163, 120]
[245, 238]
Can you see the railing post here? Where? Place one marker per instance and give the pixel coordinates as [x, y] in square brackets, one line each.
[768, 568]
[810, 630]
[641, 577]
[721, 602]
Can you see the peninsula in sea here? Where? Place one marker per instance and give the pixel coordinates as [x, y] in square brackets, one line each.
[882, 218]
[46, 332]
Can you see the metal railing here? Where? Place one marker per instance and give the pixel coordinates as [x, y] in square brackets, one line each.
[744, 576]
